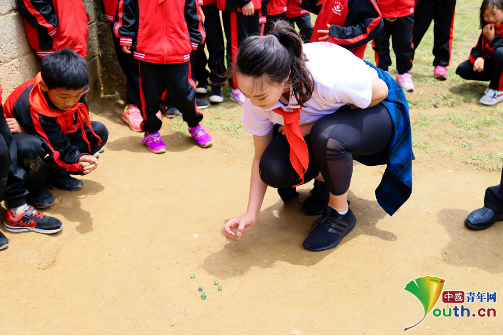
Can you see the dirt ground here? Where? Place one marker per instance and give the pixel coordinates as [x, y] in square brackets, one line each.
[123, 261]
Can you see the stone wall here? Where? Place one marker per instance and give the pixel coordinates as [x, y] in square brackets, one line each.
[18, 61]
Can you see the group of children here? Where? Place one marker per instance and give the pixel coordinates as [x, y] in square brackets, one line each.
[46, 132]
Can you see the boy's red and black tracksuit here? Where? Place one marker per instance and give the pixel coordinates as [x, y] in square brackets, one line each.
[64, 135]
[442, 12]
[272, 11]
[55, 24]
[162, 44]
[215, 44]
[492, 53]
[237, 27]
[398, 19]
[297, 15]
[126, 61]
[353, 23]
[12, 175]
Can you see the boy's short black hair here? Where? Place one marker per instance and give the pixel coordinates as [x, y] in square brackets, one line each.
[64, 69]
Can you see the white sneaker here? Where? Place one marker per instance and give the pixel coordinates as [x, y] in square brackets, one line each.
[491, 97]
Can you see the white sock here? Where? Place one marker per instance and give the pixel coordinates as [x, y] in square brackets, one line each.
[343, 212]
[18, 210]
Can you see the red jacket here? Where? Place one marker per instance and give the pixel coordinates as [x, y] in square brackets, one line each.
[294, 10]
[55, 24]
[485, 48]
[274, 7]
[235, 5]
[110, 9]
[170, 31]
[205, 2]
[396, 8]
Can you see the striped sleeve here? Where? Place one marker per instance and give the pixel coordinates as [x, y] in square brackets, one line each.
[125, 21]
[194, 21]
[39, 14]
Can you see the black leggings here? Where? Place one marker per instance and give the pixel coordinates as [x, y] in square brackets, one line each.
[333, 141]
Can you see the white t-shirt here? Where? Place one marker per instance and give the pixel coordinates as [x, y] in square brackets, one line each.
[340, 78]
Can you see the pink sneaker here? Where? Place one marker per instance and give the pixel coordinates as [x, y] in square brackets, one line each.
[154, 142]
[440, 72]
[405, 81]
[237, 96]
[200, 134]
[158, 115]
[132, 117]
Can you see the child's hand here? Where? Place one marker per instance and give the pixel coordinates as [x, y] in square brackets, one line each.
[235, 228]
[126, 49]
[489, 31]
[14, 125]
[248, 9]
[478, 65]
[324, 38]
[88, 163]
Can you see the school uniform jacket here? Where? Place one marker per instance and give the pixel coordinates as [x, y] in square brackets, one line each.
[273, 7]
[485, 48]
[353, 22]
[396, 8]
[205, 2]
[52, 130]
[294, 10]
[110, 9]
[55, 24]
[160, 31]
[235, 5]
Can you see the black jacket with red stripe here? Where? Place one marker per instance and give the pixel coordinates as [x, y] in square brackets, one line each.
[52, 130]
[485, 48]
[353, 23]
[55, 24]
[166, 33]
[235, 5]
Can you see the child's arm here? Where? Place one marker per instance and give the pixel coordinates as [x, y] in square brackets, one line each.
[494, 43]
[312, 6]
[477, 51]
[125, 22]
[369, 25]
[194, 21]
[39, 14]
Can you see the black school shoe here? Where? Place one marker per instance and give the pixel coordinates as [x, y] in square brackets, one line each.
[4, 243]
[330, 228]
[317, 200]
[66, 182]
[41, 199]
[482, 219]
[201, 104]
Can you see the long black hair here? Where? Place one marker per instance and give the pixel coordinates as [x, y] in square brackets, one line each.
[278, 56]
[488, 4]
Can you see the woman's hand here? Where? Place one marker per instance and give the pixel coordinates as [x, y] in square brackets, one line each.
[324, 38]
[248, 9]
[88, 163]
[14, 126]
[235, 228]
[478, 65]
[488, 31]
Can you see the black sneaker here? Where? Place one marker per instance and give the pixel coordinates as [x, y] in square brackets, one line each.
[287, 193]
[171, 111]
[4, 243]
[202, 88]
[31, 220]
[317, 200]
[66, 182]
[201, 104]
[216, 94]
[41, 199]
[330, 228]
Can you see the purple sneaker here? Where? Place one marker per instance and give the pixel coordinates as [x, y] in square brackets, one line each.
[237, 96]
[200, 134]
[154, 142]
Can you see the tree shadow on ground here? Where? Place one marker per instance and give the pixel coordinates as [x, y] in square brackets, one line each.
[278, 236]
[468, 248]
[68, 205]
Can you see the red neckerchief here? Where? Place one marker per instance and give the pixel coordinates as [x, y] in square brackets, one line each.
[39, 105]
[299, 153]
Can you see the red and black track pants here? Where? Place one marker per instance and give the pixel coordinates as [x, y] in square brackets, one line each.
[156, 78]
[304, 24]
[216, 49]
[442, 13]
[237, 27]
[493, 71]
[400, 31]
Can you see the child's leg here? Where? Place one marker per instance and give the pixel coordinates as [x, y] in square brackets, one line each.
[199, 65]
[423, 15]
[402, 43]
[496, 61]
[152, 85]
[95, 145]
[381, 46]
[442, 32]
[215, 43]
[465, 71]
[30, 155]
[305, 26]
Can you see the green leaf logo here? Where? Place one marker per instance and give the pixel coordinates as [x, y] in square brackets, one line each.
[427, 290]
